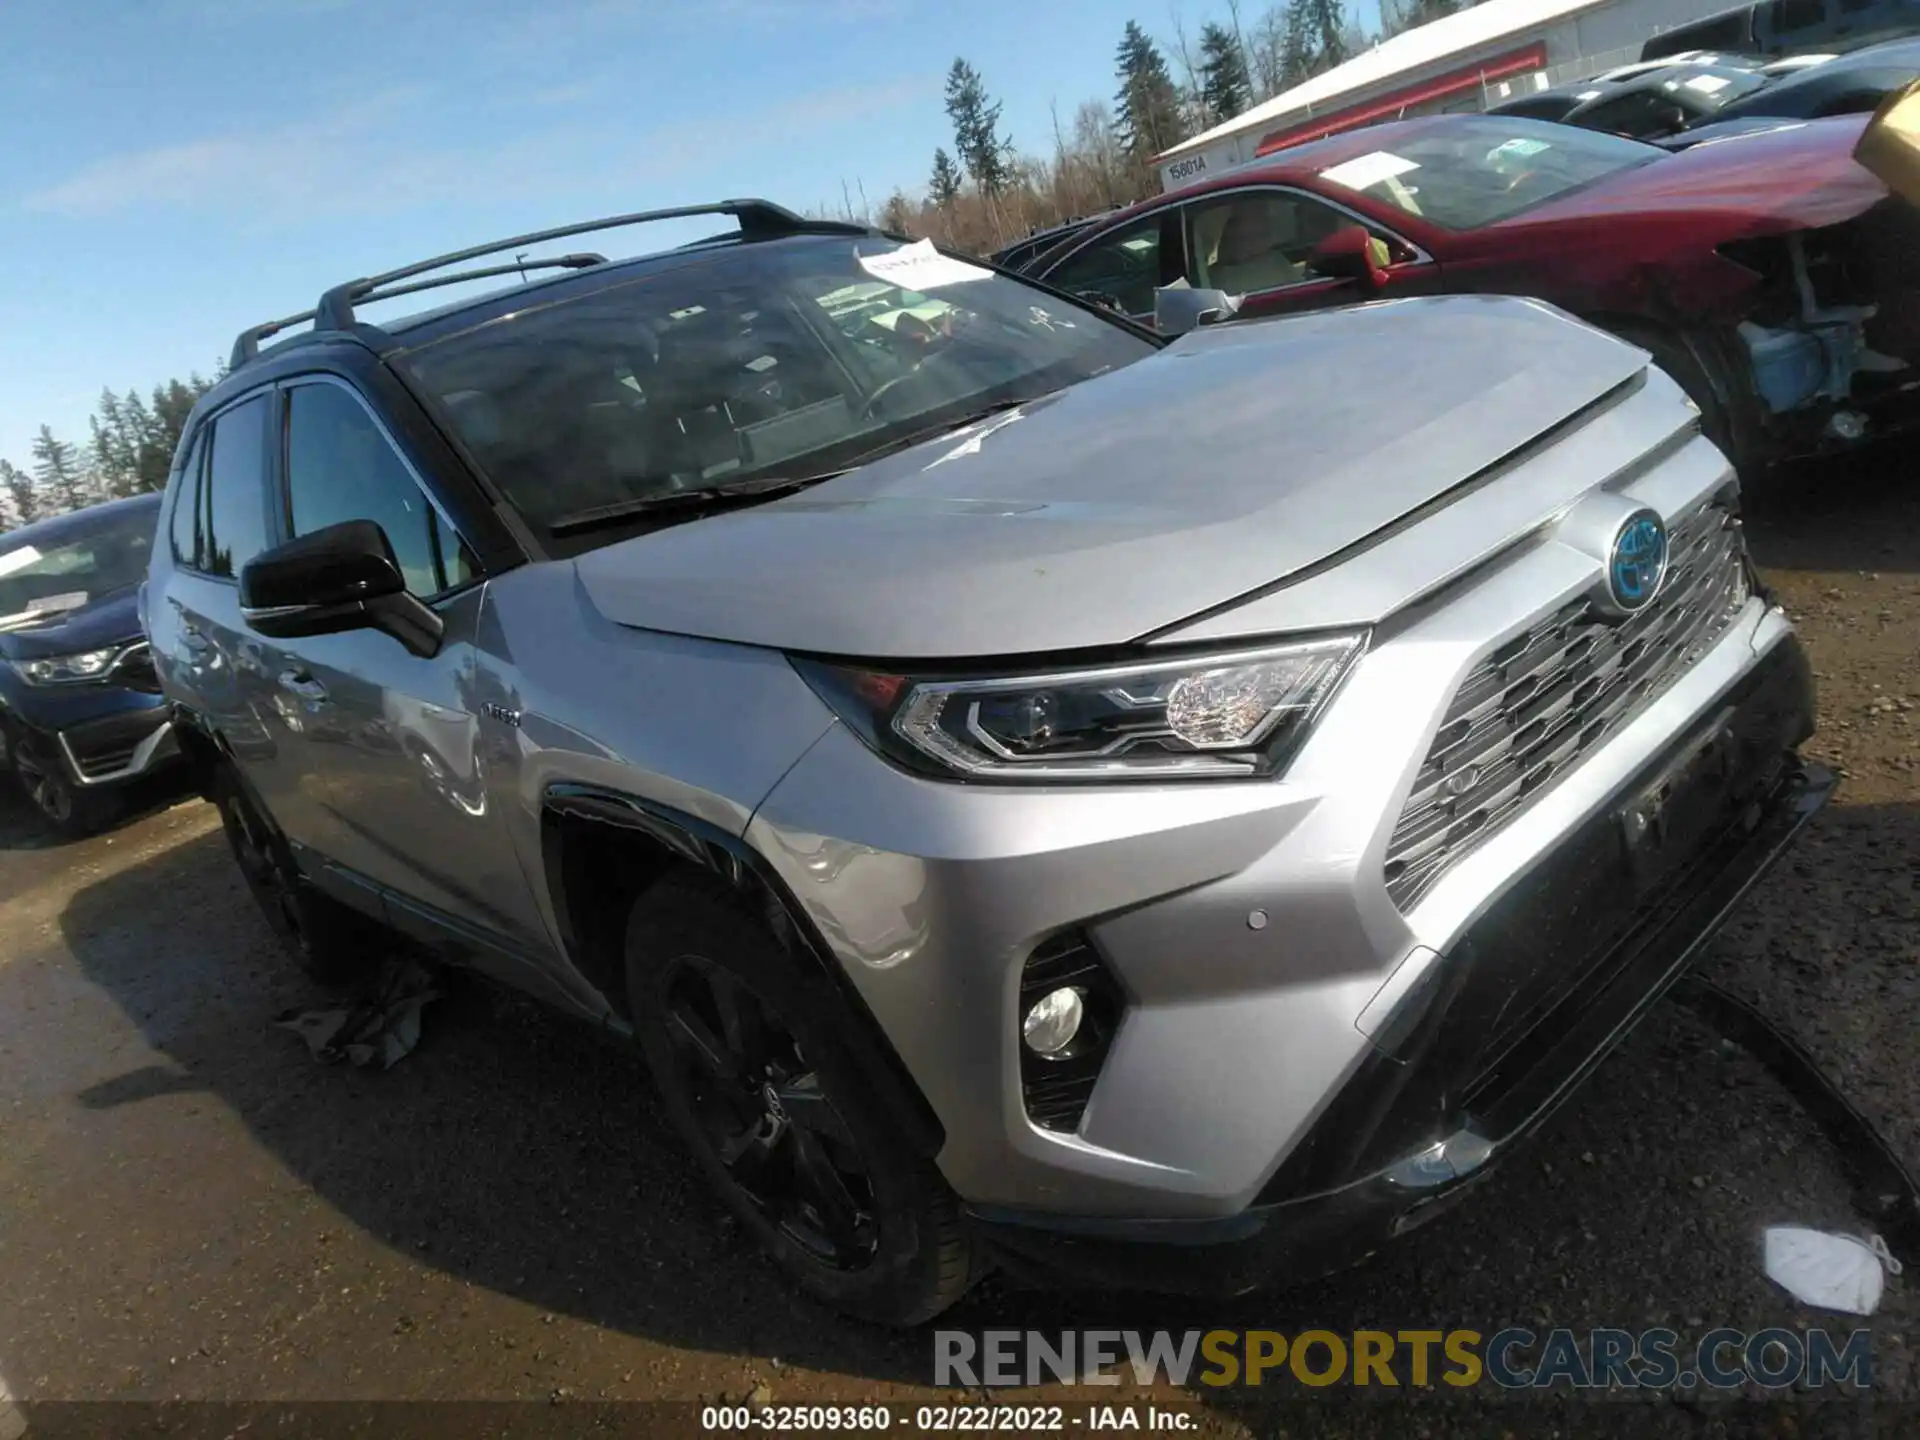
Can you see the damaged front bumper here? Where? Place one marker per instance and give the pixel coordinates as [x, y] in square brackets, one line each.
[1524, 1006]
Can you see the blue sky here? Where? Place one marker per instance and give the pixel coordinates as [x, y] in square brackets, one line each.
[173, 170]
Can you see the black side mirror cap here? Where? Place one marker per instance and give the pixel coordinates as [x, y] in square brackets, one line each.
[341, 578]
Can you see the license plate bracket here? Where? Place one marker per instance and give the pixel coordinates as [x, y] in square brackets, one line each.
[1666, 817]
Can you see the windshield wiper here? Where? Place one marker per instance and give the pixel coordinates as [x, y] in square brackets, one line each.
[946, 427]
[702, 500]
[711, 499]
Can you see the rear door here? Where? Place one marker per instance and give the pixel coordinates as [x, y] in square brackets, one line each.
[218, 522]
[1258, 242]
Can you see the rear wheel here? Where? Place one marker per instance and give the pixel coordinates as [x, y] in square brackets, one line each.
[331, 943]
[746, 1049]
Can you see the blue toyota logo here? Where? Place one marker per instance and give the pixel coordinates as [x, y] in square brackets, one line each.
[1638, 562]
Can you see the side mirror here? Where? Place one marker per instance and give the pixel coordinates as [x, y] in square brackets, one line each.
[1180, 308]
[337, 579]
[1353, 253]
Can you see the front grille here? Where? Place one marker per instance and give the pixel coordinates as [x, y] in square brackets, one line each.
[1554, 693]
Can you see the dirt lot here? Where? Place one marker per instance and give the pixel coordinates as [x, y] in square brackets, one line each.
[190, 1207]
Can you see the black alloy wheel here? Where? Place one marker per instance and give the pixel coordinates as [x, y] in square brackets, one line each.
[762, 1111]
[751, 1047]
[328, 941]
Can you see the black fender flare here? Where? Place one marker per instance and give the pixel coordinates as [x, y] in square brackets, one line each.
[569, 815]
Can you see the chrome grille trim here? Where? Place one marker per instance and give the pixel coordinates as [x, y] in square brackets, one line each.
[1553, 693]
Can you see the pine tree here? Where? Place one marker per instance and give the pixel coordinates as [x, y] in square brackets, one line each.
[944, 187]
[1327, 23]
[1147, 107]
[58, 472]
[976, 130]
[23, 501]
[897, 215]
[1299, 51]
[1419, 12]
[1225, 87]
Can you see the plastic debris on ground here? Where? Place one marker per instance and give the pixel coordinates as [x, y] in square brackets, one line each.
[377, 1030]
[1832, 1272]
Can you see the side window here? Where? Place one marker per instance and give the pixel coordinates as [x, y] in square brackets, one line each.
[340, 466]
[1789, 15]
[183, 527]
[1127, 265]
[1645, 112]
[1256, 240]
[233, 508]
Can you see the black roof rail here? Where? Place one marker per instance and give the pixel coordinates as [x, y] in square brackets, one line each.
[759, 219]
[583, 261]
[246, 345]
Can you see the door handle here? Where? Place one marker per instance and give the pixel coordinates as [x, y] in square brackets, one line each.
[299, 682]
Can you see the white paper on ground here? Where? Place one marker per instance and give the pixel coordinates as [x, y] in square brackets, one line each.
[1368, 169]
[1834, 1272]
[18, 559]
[920, 267]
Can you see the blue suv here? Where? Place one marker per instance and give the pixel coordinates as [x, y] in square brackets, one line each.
[81, 714]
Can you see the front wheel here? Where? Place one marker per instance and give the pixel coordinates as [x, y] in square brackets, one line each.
[746, 1048]
[70, 808]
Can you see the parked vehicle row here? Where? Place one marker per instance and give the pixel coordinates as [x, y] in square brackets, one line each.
[1773, 277]
[1690, 97]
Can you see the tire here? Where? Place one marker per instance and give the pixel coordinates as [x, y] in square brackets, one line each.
[73, 810]
[331, 944]
[875, 1234]
[1673, 353]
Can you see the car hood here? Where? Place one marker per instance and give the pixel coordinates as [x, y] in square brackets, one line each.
[1243, 454]
[109, 619]
[1778, 178]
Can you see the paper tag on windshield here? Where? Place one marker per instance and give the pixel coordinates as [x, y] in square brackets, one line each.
[920, 267]
[1520, 148]
[1367, 170]
[18, 559]
[1708, 84]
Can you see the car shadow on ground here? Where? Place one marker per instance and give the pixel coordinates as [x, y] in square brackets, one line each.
[521, 1152]
[1857, 513]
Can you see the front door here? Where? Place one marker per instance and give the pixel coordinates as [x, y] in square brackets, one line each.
[1258, 243]
[394, 737]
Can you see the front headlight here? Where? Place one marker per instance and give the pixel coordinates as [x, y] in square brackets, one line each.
[1231, 715]
[67, 669]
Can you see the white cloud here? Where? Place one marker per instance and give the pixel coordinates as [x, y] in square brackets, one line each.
[360, 158]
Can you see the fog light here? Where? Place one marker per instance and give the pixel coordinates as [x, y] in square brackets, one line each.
[1053, 1021]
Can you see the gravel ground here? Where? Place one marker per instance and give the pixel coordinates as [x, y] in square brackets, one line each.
[189, 1207]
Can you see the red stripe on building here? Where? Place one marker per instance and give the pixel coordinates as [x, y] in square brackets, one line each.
[1470, 77]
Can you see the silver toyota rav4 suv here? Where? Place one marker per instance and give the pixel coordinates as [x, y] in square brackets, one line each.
[1164, 814]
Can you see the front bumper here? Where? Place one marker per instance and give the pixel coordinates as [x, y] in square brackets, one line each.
[100, 738]
[1579, 947]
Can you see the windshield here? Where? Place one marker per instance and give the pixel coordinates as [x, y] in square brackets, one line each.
[38, 581]
[752, 361]
[1462, 177]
